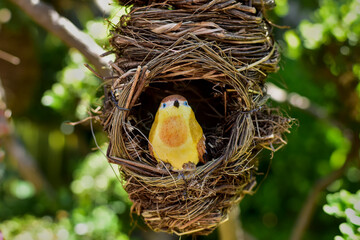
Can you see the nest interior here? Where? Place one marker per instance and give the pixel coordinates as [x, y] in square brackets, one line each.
[217, 54]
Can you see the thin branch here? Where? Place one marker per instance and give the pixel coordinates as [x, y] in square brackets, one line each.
[48, 18]
[9, 58]
[308, 208]
[232, 229]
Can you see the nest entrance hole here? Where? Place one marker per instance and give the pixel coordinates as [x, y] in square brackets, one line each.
[207, 100]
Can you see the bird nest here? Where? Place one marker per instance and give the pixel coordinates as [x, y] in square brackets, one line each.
[216, 54]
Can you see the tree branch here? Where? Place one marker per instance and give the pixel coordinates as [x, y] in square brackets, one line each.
[26, 164]
[231, 229]
[20, 157]
[303, 103]
[48, 18]
[308, 208]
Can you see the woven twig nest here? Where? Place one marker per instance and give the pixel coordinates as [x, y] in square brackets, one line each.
[216, 54]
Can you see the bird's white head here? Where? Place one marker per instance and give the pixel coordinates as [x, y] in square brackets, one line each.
[175, 105]
[174, 101]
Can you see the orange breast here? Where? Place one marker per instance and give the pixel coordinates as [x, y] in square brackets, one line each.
[173, 131]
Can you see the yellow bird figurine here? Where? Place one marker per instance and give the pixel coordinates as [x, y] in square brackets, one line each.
[175, 136]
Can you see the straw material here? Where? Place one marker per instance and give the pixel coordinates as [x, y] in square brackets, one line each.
[217, 54]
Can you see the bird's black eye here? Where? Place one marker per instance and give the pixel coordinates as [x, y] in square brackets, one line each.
[176, 103]
[186, 103]
[163, 105]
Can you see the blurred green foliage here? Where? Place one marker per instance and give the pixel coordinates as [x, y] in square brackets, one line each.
[96, 207]
[319, 49]
[88, 201]
[76, 86]
[343, 204]
[334, 19]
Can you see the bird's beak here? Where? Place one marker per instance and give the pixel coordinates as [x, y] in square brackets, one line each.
[176, 103]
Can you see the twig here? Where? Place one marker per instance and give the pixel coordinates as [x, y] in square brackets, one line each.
[93, 71]
[116, 67]
[9, 58]
[48, 18]
[308, 208]
[143, 78]
[136, 77]
[264, 59]
[81, 121]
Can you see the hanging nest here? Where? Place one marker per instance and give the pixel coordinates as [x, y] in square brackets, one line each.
[216, 54]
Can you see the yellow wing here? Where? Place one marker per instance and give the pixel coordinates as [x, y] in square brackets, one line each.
[152, 133]
[197, 136]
